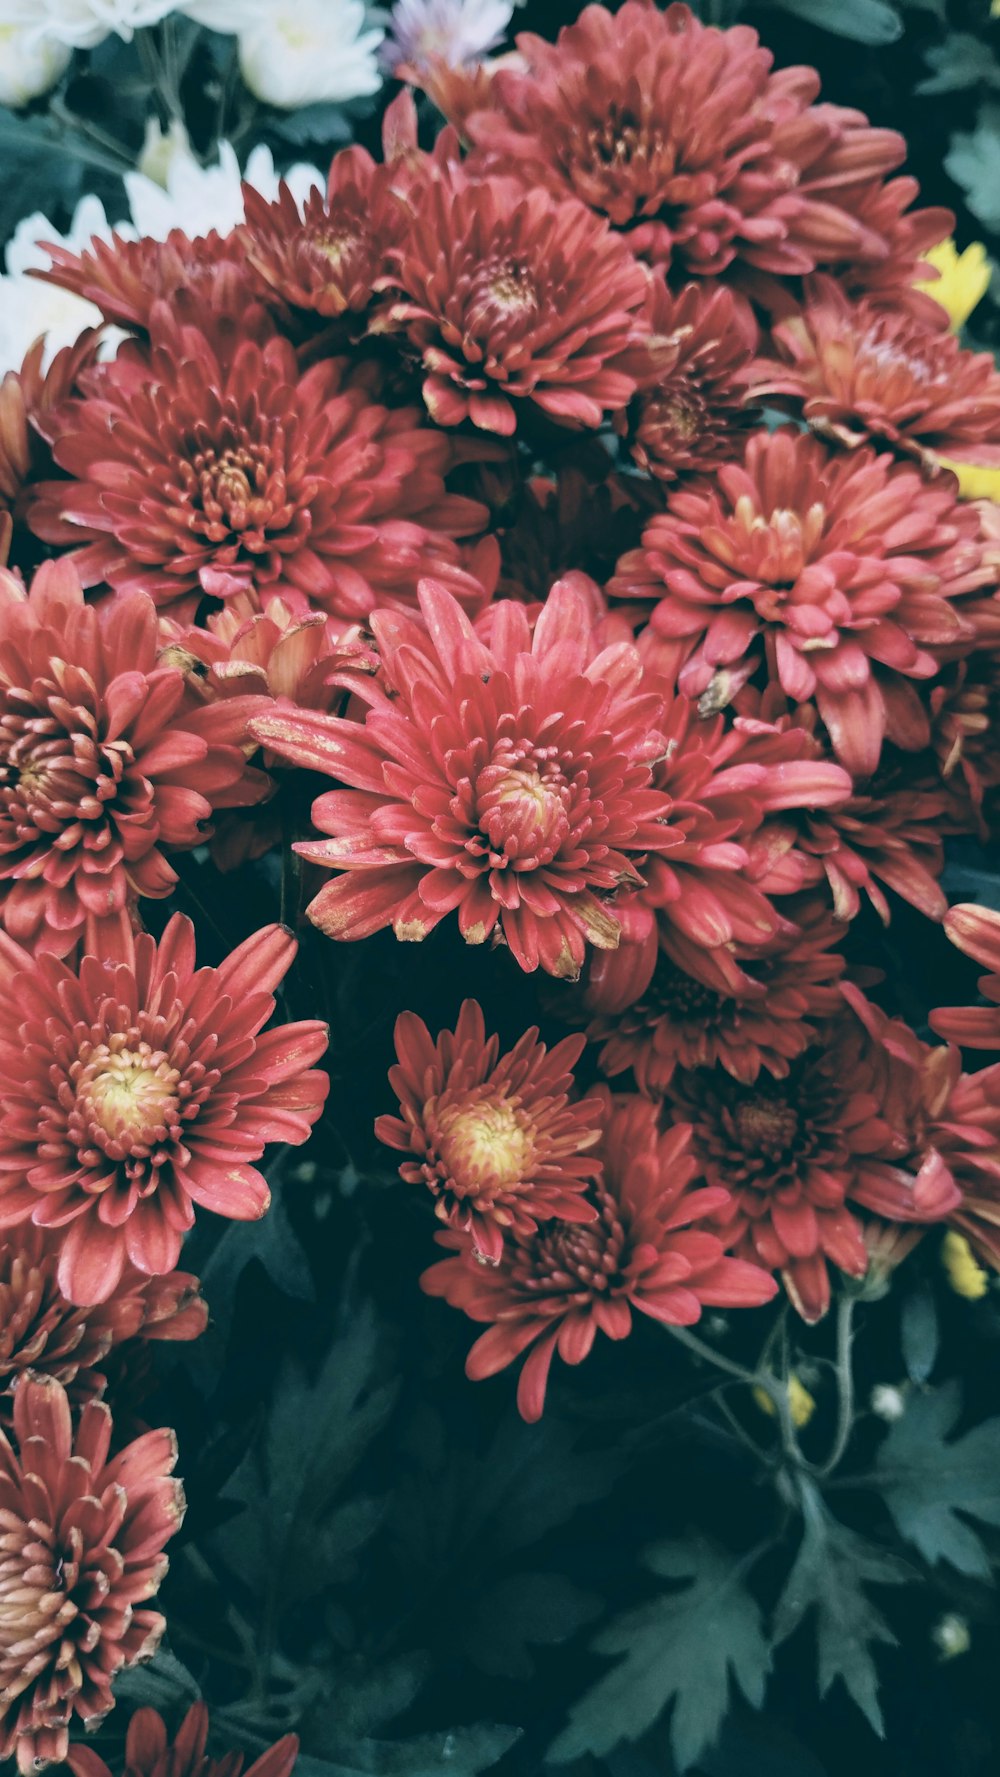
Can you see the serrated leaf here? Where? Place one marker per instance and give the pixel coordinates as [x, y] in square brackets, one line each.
[973, 161]
[684, 1647]
[863, 21]
[461, 1752]
[525, 1610]
[960, 62]
[313, 123]
[162, 1683]
[294, 1535]
[919, 1333]
[927, 1481]
[829, 1576]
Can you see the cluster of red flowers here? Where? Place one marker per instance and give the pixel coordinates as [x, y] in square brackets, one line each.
[663, 719]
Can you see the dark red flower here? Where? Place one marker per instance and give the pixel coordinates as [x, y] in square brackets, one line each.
[556, 1289]
[196, 475]
[495, 1138]
[859, 373]
[509, 296]
[208, 279]
[149, 1752]
[682, 135]
[834, 576]
[662, 1002]
[83, 1542]
[40, 1330]
[131, 1090]
[326, 257]
[843, 1128]
[105, 762]
[691, 416]
[508, 782]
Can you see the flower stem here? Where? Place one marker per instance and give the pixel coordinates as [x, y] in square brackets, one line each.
[845, 1386]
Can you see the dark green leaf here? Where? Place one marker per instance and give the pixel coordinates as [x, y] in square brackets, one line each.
[682, 1647]
[831, 1570]
[162, 1683]
[927, 1482]
[919, 1333]
[461, 1752]
[313, 123]
[863, 21]
[525, 1610]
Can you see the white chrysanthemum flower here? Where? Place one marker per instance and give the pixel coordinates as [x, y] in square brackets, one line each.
[199, 199]
[27, 307]
[454, 31]
[29, 65]
[307, 52]
[196, 199]
[81, 24]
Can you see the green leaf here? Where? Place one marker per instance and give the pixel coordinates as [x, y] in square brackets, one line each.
[927, 1482]
[460, 1752]
[522, 1610]
[919, 1333]
[162, 1683]
[863, 21]
[960, 62]
[682, 1647]
[831, 1570]
[295, 1536]
[973, 161]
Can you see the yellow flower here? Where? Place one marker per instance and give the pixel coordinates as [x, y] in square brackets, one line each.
[967, 1278]
[974, 482]
[963, 281]
[800, 1402]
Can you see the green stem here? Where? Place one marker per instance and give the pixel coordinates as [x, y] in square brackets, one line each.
[845, 1387]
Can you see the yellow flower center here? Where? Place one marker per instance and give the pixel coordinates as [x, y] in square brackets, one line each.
[485, 1144]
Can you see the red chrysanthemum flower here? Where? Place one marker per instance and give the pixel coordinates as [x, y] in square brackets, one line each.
[662, 1002]
[681, 134]
[508, 296]
[859, 373]
[207, 278]
[555, 1290]
[83, 1541]
[325, 258]
[726, 849]
[976, 930]
[149, 1752]
[509, 783]
[495, 1138]
[844, 1127]
[132, 1090]
[194, 474]
[691, 417]
[834, 575]
[40, 1330]
[27, 396]
[105, 762]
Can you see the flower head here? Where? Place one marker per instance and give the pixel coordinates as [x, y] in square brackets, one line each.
[82, 24]
[847, 1126]
[510, 296]
[307, 52]
[495, 1138]
[680, 134]
[866, 373]
[648, 1249]
[835, 576]
[422, 32]
[30, 309]
[29, 65]
[41, 1331]
[149, 1752]
[104, 762]
[133, 1090]
[83, 1541]
[199, 472]
[962, 279]
[325, 257]
[663, 1003]
[525, 810]
[690, 416]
